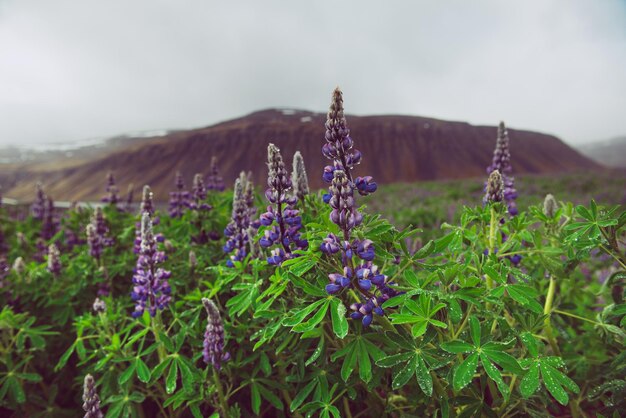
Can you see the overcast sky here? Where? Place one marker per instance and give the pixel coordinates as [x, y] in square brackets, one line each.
[71, 70]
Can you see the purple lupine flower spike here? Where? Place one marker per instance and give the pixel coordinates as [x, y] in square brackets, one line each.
[38, 207]
[19, 266]
[99, 306]
[151, 289]
[237, 229]
[502, 162]
[130, 194]
[50, 223]
[112, 191]
[213, 345]
[91, 400]
[344, 213]
[214, 179]
[54, 260]
[94, 241]
[495, 188]
[199, 194]
[550, 206]
[179, 199]
[285, 221]
[299, 178]
[146, 201]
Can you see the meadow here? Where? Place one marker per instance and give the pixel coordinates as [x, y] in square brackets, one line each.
[473, 298]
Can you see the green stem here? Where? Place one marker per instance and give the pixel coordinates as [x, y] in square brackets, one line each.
[591, 321]
[220, 393]
[156, 327]
[493, 227]
[547, 310]
[458, 331]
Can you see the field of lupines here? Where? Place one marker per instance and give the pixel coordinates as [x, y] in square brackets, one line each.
[296, 304]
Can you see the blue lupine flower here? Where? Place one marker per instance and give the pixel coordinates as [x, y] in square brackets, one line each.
[283, 220]
[112, 191]
[151, 288]
[214, 180]
[213, 344]
[179, 199]
[237, 231]
[91, 400]
[502, 162]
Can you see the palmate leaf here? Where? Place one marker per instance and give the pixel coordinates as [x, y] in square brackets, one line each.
[465, 372]
[338, 316]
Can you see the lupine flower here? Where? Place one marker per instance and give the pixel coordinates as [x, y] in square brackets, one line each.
[38, 207]
[112, 191]
[21, 239]
[199, 195]
[50, 223]
[344, 214]
[502, 162]
[102, 230]
[298, 177]
[130, 193]
[495, 188]
[179, 199]
[146, 206]
[193, 260]
[146, 201]
[54, 260]
[41, 250]
[549, 206]
[94, 241]
[214, 179]
[284, 220]
[237, 229]
[339, 144]
[91, 400]
[99, 306]
[150, 282]
[213, 352]
[19, 266]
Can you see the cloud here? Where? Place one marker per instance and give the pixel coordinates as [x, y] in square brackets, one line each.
[77, 69]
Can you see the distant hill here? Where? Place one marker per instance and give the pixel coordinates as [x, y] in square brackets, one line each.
[611, 153]
[395, 149]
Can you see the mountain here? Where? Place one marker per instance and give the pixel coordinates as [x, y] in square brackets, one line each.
[611, 153]
[395, 149]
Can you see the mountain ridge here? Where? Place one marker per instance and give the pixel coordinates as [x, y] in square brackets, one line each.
[396, 148]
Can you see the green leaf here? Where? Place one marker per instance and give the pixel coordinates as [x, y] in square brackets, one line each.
[16, 390]
[419, 328]
[403, 374]
[475, 330]
[65, 357]
[397, 318]
[465, 372]
[424, 379]
[338, 316]
[186, 375]
[504, 360]
[302, 395]
[552, 382]
[315, 319]
[349, 362]
[530, 383]
[530, 342]
[255, 396]
[299, 316]
[495, 375]
[170, 380]
[128, 373]
[271, 398]
[365, 365]
[457, 346]
[143, 372]
[395, 359]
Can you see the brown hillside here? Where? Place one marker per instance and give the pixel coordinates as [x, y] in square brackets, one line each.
[395, 149]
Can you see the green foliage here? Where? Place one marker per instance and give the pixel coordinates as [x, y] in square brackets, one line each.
[471, 334]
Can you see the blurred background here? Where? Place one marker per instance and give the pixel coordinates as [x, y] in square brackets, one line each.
[150, 87]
